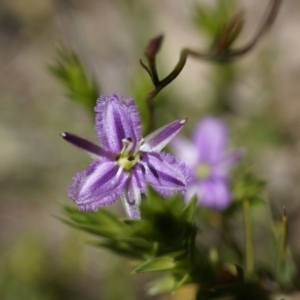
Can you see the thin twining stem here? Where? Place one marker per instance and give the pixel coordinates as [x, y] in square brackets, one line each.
[266, 24]
[221, 56]
[215, 55]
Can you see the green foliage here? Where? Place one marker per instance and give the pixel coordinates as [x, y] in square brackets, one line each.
[80, 86]
[238, 291]
[247, 186]
[166, 228]
[228, 33]
[164, 240]
[210, 19]
[163, 263]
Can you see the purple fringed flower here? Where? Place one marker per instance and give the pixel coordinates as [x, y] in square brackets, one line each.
[210, 162]
[125, 162]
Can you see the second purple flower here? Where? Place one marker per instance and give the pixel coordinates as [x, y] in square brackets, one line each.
[210, 162]
[125, 163]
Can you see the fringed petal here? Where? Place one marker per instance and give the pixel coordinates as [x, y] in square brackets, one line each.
[165, 174]
[97, 186]
[117, 118]
[158, 139]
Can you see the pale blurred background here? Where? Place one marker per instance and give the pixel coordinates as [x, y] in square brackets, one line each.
[43, 259]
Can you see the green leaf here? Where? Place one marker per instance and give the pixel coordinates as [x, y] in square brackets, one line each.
[188, 212]
[185, 279]
[120, 248]
[211, 18]
[80, 85]
[246, 186]
[101, 223]
[163, 263]
[162, 221]
[161, 285]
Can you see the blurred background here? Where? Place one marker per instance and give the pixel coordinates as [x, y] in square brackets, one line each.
[258, 96]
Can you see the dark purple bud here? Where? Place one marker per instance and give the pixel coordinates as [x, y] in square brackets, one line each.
[153, 46]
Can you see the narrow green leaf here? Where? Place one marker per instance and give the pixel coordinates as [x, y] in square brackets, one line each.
[185, 279]
[161, 285]
[164, 263]
[70, 71]
[102, 223]
[123, 249]
[189, 211]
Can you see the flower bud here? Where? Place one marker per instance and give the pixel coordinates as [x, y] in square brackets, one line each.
[229, 33]
[153, 46]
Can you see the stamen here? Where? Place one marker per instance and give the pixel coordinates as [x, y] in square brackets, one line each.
[129, 146]
[125, 143]
[140, 143]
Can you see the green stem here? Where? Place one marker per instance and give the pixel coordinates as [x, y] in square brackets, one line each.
[153, 71]
[249, 249]
[283, 244]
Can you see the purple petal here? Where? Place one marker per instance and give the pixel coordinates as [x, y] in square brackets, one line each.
[117, 118]
[98, 185]
[165, 174]
[221, 168]
[139, 180]
[132, 209]
[158, 139]
[214, 194]
[210, 138]
[131, 198]
[91, 148]
[185, 151]
[192, 190]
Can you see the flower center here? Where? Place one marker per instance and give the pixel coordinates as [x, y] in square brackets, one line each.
[129, 157]
[203, 171]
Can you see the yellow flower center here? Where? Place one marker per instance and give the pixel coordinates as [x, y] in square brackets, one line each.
[203, 171]
[129, 157]
[128, 162]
